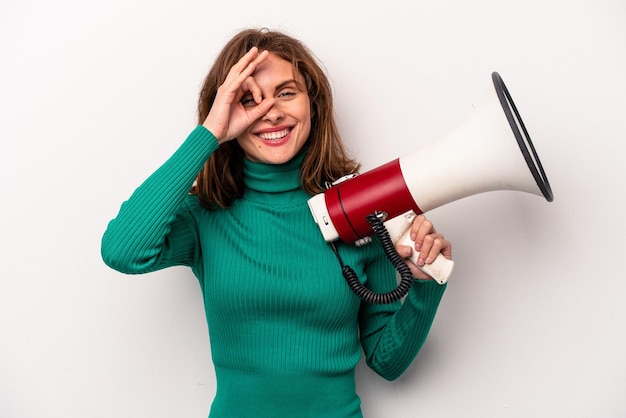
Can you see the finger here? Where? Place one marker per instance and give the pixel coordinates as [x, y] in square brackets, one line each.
[416, 271]
[420, 229]
[243, 62]
[420, 221]
[249, 85]
[446, 249]
[430, 248]
[241, 70]
[261, 109]
[246, 66]
[404, 251]
[260, 57]
[232, 90]
[439, 246]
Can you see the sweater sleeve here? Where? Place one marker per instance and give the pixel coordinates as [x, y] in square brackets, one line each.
[154, 229]
[393, 334]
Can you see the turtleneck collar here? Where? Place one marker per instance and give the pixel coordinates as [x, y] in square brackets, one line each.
[274, 183]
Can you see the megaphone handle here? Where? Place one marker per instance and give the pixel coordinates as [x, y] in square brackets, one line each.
[440, 269]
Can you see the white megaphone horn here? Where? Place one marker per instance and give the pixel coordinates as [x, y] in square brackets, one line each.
[490, 151]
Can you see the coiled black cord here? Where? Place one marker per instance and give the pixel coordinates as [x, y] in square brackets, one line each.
[406, 277]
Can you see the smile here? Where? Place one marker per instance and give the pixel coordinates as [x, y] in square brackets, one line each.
[274, 136]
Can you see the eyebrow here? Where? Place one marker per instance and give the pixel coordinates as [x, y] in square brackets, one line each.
[287, 82]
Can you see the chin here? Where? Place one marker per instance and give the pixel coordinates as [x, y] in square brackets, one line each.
[276, 156]
[279, 159]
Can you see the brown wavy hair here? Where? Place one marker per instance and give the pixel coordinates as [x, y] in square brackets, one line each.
[221, 179]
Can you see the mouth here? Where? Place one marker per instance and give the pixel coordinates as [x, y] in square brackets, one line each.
[274, 136]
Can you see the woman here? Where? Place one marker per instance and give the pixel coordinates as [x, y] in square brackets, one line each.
[286, 331]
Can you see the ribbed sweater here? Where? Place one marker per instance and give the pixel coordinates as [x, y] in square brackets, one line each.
[286, 332]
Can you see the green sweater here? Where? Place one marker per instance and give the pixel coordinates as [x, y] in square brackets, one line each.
[286, 332]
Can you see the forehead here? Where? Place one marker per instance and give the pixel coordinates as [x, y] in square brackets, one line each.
[275, 70]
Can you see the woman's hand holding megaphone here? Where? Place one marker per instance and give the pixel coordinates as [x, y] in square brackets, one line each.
[427, 253]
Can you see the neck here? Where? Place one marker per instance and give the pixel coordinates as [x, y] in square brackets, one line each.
[274, 183]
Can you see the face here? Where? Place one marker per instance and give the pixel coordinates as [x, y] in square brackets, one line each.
[279, 135]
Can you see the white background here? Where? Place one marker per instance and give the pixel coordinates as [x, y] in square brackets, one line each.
[95, 95]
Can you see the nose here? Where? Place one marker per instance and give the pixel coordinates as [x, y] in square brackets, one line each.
[274, 114]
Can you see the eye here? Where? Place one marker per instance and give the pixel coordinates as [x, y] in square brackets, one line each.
[247, 101]
[287, 93]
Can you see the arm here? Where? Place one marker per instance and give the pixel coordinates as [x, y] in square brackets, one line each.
[153, 230]
[392, 335]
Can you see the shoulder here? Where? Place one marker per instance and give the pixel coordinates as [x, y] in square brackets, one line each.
[191, 207]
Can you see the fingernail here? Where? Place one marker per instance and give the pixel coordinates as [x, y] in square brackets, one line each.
[420, 262]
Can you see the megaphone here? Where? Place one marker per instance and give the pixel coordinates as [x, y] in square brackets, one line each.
[490, 151]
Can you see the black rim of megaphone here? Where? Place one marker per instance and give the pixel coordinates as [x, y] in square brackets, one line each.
[522, 137]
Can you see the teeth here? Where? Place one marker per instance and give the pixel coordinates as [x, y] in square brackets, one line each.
[273, 136]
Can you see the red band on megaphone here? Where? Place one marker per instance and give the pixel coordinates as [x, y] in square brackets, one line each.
[382, 189]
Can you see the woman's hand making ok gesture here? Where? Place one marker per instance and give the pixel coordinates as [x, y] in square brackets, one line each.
[228, 118]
